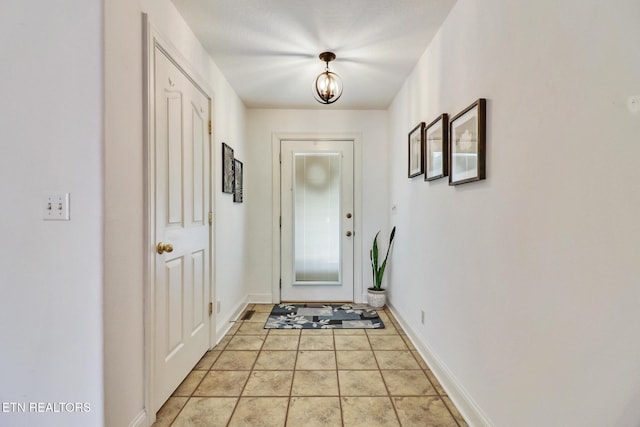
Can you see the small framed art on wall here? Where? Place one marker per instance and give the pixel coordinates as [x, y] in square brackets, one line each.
[416, 146]
[467, 144]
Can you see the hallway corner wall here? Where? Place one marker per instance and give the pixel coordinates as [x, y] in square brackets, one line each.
[528, 280]
[371, 124]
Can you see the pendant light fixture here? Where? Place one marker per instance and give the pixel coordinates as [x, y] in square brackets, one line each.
[327, 87]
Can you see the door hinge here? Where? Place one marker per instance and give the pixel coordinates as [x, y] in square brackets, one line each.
[210, 218]
[280, 221]
[280, 157]
[281, 283]
[210, 308]
[209, 127]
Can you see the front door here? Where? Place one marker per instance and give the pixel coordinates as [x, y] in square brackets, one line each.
[317, 220]
[181, 320]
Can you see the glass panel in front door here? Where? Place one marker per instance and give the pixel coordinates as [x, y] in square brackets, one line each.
[317, 207]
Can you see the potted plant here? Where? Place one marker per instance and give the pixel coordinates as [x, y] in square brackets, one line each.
[376, 295]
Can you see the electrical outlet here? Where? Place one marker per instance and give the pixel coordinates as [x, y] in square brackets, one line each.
[55, 207]
[422, 317]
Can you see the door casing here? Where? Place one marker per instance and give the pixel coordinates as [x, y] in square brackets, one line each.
[151, 39]
[276, 139]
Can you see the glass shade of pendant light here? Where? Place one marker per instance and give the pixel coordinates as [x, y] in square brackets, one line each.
[327, 87]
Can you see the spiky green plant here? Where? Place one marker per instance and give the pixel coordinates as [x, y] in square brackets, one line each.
[378, 269]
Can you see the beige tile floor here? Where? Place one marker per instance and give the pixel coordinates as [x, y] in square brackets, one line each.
[356, 377]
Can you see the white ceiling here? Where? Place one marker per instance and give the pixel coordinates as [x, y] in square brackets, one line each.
[268, 49]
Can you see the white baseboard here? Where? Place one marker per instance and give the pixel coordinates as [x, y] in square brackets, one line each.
[140, 420]
[473, 415]
[265, 298]
[223, 325]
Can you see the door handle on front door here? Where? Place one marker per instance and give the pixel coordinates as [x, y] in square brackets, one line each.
[164, 247]
[349, 234]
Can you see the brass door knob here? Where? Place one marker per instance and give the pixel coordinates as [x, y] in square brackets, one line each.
[349, 234]
[164, 247]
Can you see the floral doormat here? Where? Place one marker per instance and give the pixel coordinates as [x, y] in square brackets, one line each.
[323, 316]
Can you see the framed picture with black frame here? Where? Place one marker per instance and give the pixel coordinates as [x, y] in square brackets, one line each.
[436, 143]
[467, 144]
[227, 169]
[238, 194]
[416, 147]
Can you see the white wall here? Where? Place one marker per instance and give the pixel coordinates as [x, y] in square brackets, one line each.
[529, 280]
[124, 188]
[261, 125]
[51, 272]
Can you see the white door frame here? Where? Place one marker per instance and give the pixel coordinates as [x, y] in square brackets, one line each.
[151, 40]
[276, 139]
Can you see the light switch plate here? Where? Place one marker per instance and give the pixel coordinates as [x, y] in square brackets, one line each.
[55, 207]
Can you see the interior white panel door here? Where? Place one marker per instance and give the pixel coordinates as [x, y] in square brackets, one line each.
[182, 165]
[317, 220]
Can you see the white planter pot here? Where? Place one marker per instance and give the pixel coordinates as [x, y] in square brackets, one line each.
[376, 299]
